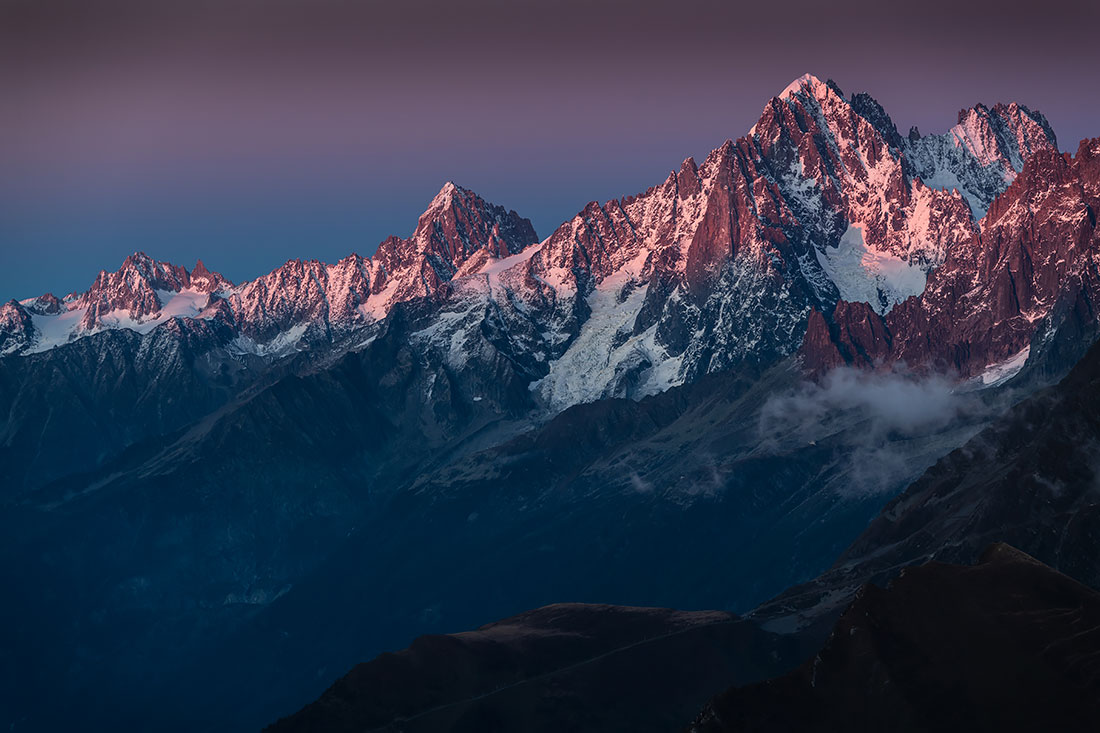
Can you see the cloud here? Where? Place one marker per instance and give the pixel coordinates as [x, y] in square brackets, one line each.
[892, 400]
[882, 429]
[639, 484]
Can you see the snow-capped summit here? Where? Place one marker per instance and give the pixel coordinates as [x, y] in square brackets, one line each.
[1004, 294]
[131, 290]
[805, 83]
[721, 264]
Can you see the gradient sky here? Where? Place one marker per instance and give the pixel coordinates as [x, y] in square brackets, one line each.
[248, 132]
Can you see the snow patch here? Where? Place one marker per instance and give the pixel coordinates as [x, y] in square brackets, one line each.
[187, 303]
[865, 275]
[55, 330]
[946, 180]
[999, 373]
[496, 266]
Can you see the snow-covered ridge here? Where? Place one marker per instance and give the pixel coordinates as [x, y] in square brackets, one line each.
[719, 264]
[59, 328]
[299, 297]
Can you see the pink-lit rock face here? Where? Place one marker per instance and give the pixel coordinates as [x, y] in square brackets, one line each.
[1034, 257]
[132, 289]
[205, 281]
[359, 290]
[822, 223]
[324, 299]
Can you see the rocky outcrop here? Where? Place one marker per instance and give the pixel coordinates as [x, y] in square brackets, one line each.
[1033, 258]
[16, 328]
[207, 281]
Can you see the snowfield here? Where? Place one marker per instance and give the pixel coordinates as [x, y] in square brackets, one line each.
[863, 275]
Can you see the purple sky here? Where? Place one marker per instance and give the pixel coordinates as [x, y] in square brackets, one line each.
[247, 132]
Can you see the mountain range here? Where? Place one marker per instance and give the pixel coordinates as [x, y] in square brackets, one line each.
[686, 398]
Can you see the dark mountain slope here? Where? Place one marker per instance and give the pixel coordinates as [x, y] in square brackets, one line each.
[71, 408]
[1006, 645]
[681, 498]
[562, 667]
[1030, 479]
[167, 550]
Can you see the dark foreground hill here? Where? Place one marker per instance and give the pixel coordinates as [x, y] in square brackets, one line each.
[1008, 644]
[563, 667]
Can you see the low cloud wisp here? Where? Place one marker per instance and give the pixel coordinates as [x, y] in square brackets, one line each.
[884, 427]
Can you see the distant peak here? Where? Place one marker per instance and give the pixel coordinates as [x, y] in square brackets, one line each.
[47, 304]
[207, 280]
[978, 110]
[200, 269]
[138, 259]
[806, 81]
[447, 193]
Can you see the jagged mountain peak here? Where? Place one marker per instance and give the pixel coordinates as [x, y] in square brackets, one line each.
[208, 281]
[1004, 135]
[46, 304]
[1001, 296]
[16, 327]
[303, 298]
[132, 289]
[869, 109]
[452, 195]
[445, 198]
[458, 222]
[824, 201]
[805, 83]
[141, 265]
